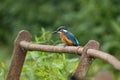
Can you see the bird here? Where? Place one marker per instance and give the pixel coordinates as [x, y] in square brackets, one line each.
[66, 36]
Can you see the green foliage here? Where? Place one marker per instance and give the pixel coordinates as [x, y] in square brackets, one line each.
[81, 14]
[45, 65]
[2, 71]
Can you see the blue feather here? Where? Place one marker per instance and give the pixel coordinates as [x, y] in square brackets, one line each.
[71, 37]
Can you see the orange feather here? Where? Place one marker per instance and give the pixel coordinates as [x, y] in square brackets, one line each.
[65, 39]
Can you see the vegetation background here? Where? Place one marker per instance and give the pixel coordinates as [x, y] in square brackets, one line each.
[86, 19]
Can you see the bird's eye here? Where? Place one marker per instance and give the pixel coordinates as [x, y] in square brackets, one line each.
[60, 29]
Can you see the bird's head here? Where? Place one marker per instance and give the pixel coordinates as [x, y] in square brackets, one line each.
[61, 29]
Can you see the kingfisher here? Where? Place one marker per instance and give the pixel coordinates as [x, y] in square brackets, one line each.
[66, 36]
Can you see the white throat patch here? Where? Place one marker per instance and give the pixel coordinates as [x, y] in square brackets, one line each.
[65, 30]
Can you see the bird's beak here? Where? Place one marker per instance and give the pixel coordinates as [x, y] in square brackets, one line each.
[54, 32]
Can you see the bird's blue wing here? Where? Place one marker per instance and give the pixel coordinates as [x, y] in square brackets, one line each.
[71, 37]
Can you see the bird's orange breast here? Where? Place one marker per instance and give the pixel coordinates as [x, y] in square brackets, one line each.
[66, 40]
